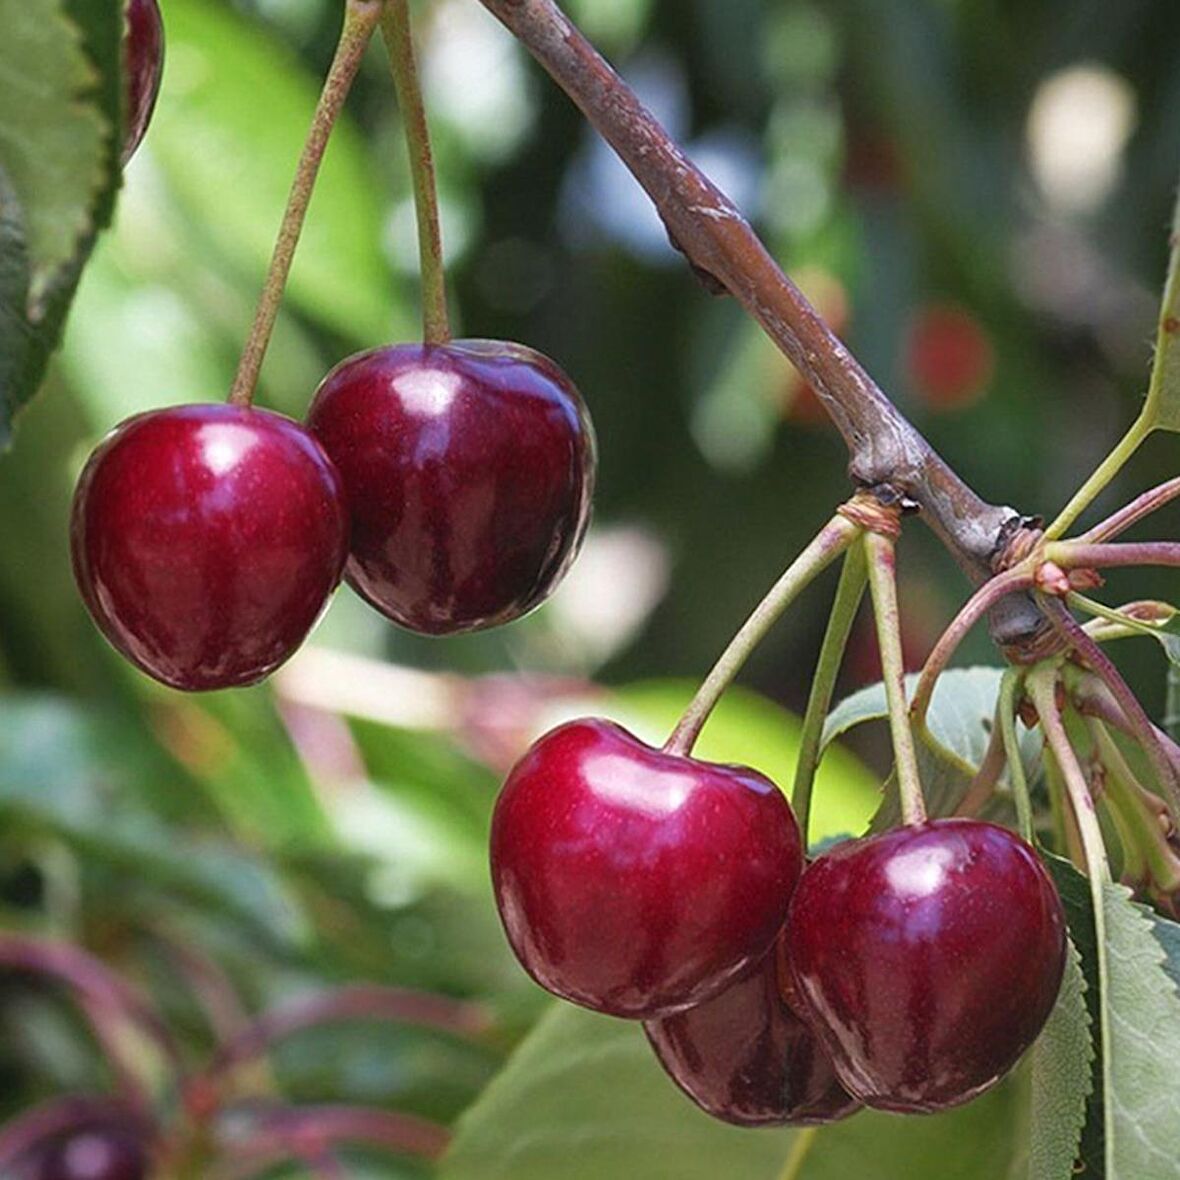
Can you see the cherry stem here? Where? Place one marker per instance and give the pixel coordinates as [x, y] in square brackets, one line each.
[360, 21]
[879, 550]
[358, 1002]
[1092, 655]
[1139, 508]
[1042, 687]
[987, 777]
[1100, 477]
[849, 592]
[1011, 687]
[1080, 555]
[399, 41]
[832, 540]
[801, 1145]
[973, 610]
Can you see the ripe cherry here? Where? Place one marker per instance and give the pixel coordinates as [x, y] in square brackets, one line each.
[746, 1058]
[469, 469]
[100, 1153]
[634, 881]
[143, 64]
[926, 960]
[949, 357]
[207, 540]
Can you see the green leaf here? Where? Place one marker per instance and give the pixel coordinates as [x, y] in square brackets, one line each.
[962, 712]
[60, 94]
[1172, 708]
[1060, 1067]
[583, 1098]
[1162, 408]
[232, 119]
[1167, 934]
[749, 729]
[53, 146]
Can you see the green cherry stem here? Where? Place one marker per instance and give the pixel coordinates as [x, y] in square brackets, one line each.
[399, 41]
[360, 22]
[801, 1145]
[879, 550]
[1011, 686]
[832, 540]
[849, 593]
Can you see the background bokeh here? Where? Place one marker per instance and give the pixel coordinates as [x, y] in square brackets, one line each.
[975, 192]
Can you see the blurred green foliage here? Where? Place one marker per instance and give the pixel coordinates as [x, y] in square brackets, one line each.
[301, 835]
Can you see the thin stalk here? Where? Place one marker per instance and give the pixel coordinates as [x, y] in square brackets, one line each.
[832, 540]
[398, 34]
[879, 550]
[801, 1146]
[1101, 664]
[1122, 618]
[973, 610]
[1079, 555]
[360, 21]
[1042, 685]
[849, 593]
[1139, 508]
[1103, 474]
[1011, 686]
[987, 777]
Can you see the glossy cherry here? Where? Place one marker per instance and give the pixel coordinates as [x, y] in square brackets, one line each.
[207, 540]
[143, 64]
[469, 469]
[101, 1153]
[746, 1058]
[634, 881]
[926, 959]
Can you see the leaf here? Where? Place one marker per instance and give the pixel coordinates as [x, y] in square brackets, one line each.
[54, 200]
[749, 729]
[1162, 408]
[962, 712]
[53, 147]
[232, 119]
[583, 1098]
[1172, 708]
[1060, 1066]
[1167, 934]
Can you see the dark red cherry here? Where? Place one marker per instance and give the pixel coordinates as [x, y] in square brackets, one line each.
[143, 64]
[469, 469]
[926, 960]
[746, 1058]
[95, 1154]
[637, 882]
[207, 540]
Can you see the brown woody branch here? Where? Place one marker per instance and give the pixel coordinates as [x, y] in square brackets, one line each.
[885, 450]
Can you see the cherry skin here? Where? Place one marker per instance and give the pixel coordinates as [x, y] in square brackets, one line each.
[95, 1154]
[143, 64]
[926, 960]
[207, 540]
[745, 1058]
[637, 882]
[469, 469]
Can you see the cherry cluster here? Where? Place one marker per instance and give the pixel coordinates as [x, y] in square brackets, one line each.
[907, 971]
[449, 484]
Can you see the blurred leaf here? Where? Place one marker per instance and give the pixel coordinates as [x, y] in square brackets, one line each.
[583, 1098]
[1162, 409]
[750, 729]
[233, 115]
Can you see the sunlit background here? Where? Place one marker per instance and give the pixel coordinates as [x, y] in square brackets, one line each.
[975, 193]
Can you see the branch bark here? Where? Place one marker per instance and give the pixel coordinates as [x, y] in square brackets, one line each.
[885, 450]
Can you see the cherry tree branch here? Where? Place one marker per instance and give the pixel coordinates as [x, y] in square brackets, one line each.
[885, 450]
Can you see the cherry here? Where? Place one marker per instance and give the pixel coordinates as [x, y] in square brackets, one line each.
[949, 357]
[469, 469]
[634, 881]
[143, 63]
[105, 1153]
[926, 960]
[206, 541]
[746, 1058]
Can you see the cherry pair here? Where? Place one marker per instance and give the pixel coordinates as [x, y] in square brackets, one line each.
[454, 480]
[907, 971]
